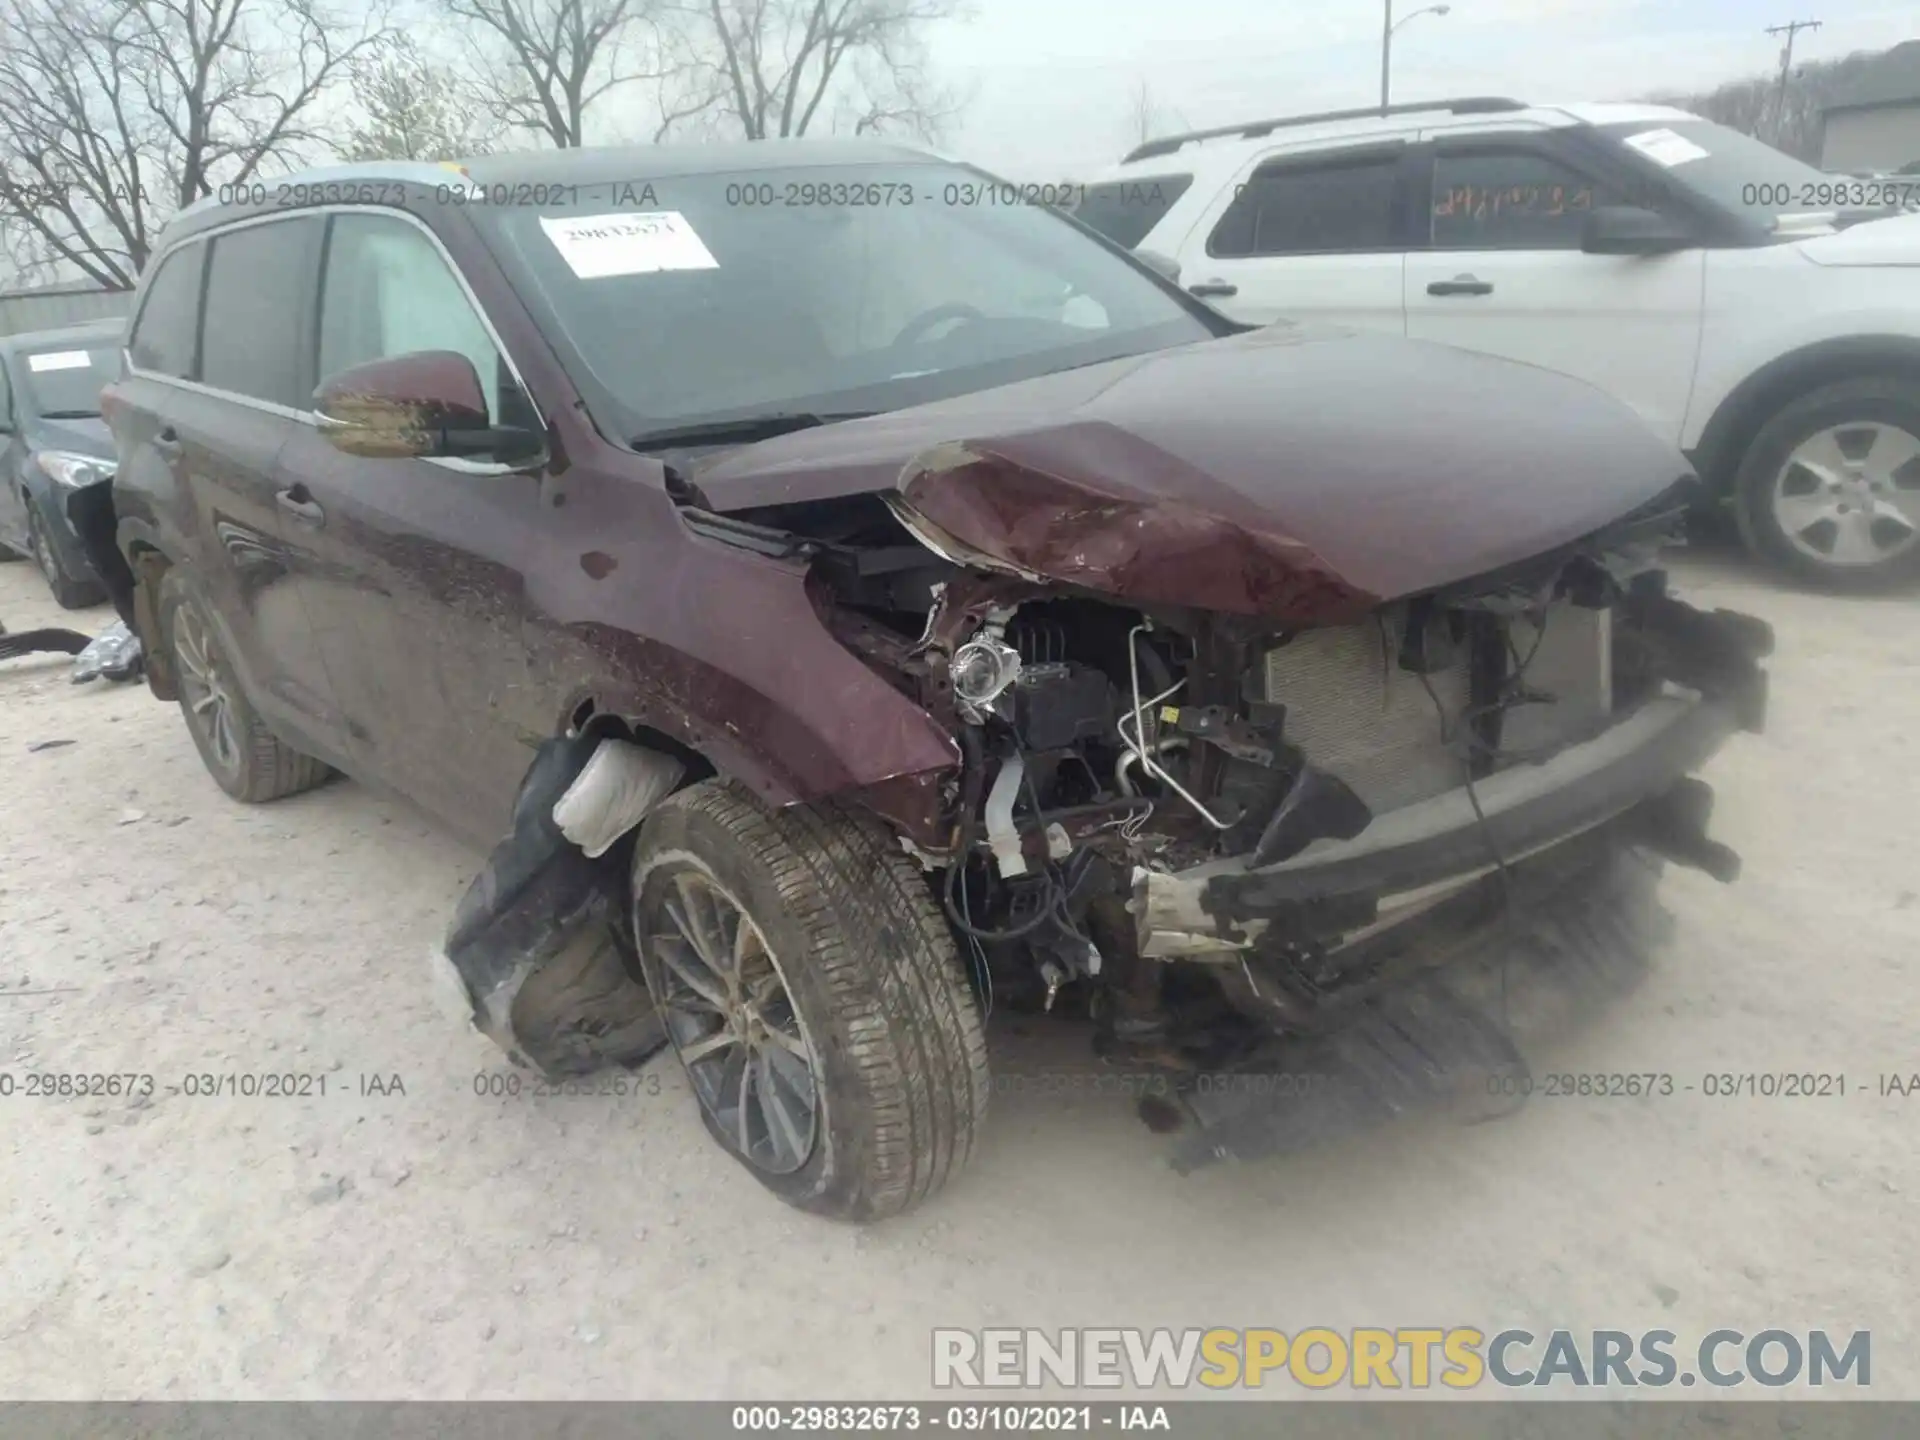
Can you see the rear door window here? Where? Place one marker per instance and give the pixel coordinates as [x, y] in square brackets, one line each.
[258, 281]
[166, 336]
[1320, 207]
[1125, 211]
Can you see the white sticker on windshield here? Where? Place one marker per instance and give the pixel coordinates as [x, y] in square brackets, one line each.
[60, 360]
[595, 246]
[1666, 147]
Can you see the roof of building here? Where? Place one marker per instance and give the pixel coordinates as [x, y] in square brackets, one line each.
[78, 336]
[1890, 78]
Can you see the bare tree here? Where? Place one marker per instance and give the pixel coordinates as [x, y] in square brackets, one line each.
[1793, 123]
[779, 67]
[1147, 119]
[1143, 117]
[412, 108]
[76, 181]
[547, 61]
[113, 113]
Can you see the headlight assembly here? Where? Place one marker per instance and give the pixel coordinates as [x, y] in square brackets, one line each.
[73, 471]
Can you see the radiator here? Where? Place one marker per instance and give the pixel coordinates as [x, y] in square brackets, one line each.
[1352, 710]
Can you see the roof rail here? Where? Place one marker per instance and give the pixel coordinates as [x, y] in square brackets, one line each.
[1470, 105]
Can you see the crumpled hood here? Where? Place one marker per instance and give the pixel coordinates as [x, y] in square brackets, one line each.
[1292, 473]
[1892, 241]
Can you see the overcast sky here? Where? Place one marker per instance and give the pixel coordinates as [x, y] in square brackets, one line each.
[1053, 81]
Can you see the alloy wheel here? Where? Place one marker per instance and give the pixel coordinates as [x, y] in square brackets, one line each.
[1849, 495]
[206, 688]
[730, 1017]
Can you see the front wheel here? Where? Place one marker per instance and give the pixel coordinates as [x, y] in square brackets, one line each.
[69, 592]
[814, 995]
[1829, 490]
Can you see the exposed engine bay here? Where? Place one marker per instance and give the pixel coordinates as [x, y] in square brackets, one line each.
[1132, 777]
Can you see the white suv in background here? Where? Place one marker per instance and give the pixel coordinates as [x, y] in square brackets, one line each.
[1761, 314]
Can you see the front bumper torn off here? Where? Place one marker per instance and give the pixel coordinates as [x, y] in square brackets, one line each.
[1479, 982]
[1634, 777]
[1439, 975]
[1445, 941]
[1636, 773]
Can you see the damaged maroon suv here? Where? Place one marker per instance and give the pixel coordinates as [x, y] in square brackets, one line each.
[861, 597]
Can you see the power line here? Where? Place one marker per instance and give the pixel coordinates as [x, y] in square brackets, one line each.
[1791, 30]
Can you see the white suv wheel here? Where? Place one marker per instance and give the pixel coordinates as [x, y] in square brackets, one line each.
[1850, 494]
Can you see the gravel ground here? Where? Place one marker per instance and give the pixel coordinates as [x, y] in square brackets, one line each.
[412, 1239]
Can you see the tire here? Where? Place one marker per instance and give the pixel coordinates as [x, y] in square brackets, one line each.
[68, 592]
[244, 757]
[851, 971]
[1875, 541]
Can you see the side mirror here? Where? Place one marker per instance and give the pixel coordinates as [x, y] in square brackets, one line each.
[1630, 230]
[417, 406]
[1165, 264]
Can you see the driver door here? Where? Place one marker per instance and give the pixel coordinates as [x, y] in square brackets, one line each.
[1500, 269]
[413, 570]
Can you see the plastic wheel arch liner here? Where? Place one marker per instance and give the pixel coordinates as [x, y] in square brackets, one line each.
[536, 952]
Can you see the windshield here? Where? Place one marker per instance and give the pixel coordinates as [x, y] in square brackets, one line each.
[1735, 171]
[826, 291]
[64, 382]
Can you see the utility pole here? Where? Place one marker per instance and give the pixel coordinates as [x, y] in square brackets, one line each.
[1386, 54]
[1791, 29]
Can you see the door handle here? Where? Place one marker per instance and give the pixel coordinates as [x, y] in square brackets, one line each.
[299, 504]
[1460, 285]
[167, 442]
[1212, 287]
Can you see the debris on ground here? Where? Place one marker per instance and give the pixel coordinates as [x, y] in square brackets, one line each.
[114, 653]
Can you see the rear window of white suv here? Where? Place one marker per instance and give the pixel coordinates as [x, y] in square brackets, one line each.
[1125, 211]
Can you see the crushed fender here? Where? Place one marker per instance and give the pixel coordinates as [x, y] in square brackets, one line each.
[538, 952]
